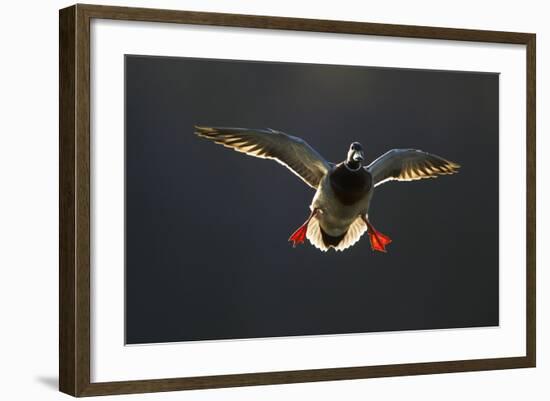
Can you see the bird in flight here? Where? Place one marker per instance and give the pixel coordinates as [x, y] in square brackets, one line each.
[339, 209]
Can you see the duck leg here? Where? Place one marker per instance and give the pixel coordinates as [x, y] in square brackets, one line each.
[378, 241]
[299, 236]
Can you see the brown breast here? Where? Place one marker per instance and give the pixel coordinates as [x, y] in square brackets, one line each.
[350, 186]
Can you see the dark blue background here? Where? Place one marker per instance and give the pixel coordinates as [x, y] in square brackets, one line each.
[207, 255]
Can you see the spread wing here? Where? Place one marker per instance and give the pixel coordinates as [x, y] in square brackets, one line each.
[292, 152]
[408, 165]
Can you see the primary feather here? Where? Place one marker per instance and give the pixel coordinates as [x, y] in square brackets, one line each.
[290, 151]
[409, 165]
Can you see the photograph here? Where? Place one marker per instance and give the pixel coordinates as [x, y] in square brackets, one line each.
[258, 198]
[275, 200]
[344, 199]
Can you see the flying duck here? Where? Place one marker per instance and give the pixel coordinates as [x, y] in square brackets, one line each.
[339, 210]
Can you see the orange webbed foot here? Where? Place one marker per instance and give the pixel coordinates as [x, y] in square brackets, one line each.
[378, 241]
[298, 236]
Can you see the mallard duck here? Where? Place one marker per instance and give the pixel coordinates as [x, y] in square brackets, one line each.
[339, 210]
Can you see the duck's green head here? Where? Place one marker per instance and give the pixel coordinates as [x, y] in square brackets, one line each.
[355, 158]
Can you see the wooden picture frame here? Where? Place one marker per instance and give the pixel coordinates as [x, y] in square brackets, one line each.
[74, 206]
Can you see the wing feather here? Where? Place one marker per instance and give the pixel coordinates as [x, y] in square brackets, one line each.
[290, 151]
[409, 165]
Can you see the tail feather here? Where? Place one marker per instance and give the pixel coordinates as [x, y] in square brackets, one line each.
[324, 242]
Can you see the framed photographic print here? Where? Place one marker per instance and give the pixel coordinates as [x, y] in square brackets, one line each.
[251, 200]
